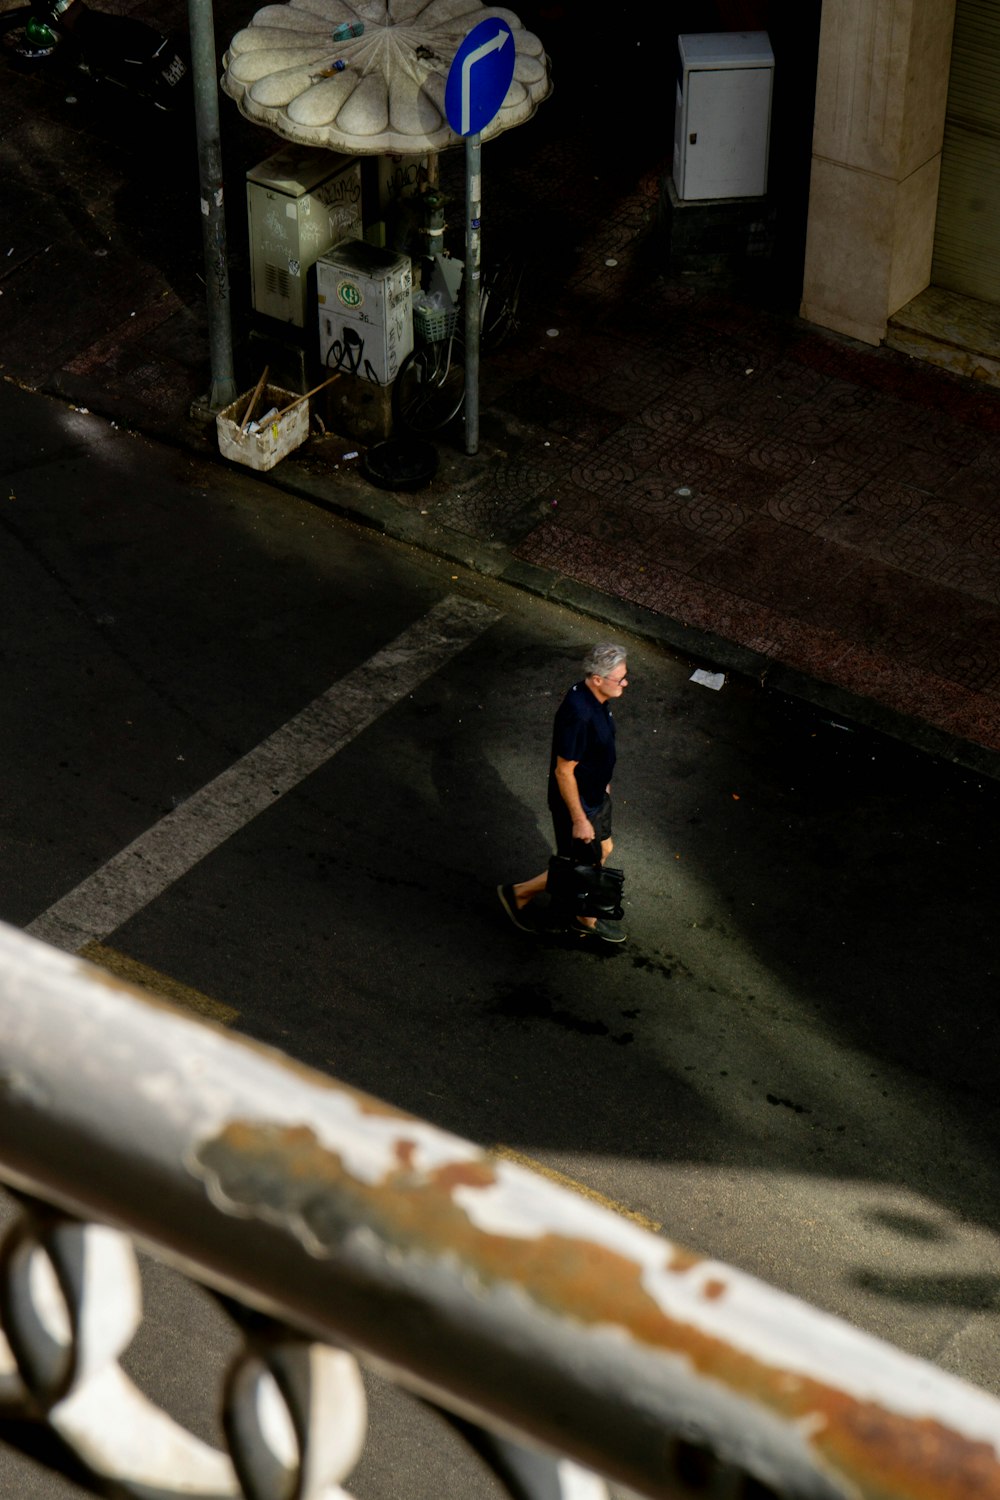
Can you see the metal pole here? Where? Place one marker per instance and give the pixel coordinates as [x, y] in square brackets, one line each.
[473, 189]
[206, 111]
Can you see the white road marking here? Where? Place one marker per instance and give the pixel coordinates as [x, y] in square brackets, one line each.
[173, 846]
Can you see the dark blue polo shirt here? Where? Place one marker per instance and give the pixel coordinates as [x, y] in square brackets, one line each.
[584, 731]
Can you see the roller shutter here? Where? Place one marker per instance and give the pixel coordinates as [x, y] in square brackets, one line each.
[967, 233]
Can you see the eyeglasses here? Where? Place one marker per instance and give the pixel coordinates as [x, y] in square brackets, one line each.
[617, 680]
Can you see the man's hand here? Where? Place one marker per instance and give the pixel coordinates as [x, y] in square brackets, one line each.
[583, 829]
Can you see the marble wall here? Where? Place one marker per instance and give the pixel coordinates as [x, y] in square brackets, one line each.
[881, 90]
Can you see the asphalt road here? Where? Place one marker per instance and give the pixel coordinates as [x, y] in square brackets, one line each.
[790, 1065]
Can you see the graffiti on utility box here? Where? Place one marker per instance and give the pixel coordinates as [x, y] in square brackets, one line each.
[364, 296]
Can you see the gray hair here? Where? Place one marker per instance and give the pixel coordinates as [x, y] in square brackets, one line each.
[602, 659]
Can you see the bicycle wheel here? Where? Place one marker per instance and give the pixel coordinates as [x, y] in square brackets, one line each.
[429, 390]
[500, 297]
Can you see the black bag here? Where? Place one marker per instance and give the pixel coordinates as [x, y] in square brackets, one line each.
[584, 888]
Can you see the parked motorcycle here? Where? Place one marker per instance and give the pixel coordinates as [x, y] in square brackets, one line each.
[118, 50]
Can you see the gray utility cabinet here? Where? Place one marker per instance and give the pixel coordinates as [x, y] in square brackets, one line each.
[722, 118]
[300, 202]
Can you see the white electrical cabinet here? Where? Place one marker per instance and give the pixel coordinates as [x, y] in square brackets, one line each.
[300, 202]
[722, 119]
[365, 305]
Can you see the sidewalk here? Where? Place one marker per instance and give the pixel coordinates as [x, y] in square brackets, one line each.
[670, 458]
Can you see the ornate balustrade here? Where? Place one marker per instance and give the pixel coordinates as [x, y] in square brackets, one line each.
[336, 1228]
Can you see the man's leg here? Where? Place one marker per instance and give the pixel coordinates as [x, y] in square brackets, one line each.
[526, 890]
[514, 898]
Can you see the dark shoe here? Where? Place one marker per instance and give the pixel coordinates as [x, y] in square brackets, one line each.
[611, 932]
[506, 895]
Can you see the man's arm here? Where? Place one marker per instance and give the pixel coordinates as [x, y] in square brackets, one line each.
[565, 773]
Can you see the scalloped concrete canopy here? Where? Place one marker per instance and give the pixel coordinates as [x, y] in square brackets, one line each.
[388, 99]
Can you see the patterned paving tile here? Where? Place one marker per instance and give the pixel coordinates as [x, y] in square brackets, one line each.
[924, 469]
[791, 383]
[929, 539]
[726, 436]
[733, 319]
[687, 340]
[573, 415]
[805, 507]
[732, 617]
[969, 654]
[974, 717]
[879, 606]
[661, 299]
[619, 460]
[505, 500]
[835, 415]
[777, 566]
[696, 388]
[870, 442]
[701, 515]
[565, 551]
[932, 431]
[739, 356]
[977, 485]
[568, 369]
[871, 515]
[824, 478]
[780, 457]
[713, 477]
[612, 522]
[758, 399]
[673, 420]
[654, 585]
[828, 356]
[973, 574]
[620, 525]
[626, 389]
[875, 675]
[985, 537]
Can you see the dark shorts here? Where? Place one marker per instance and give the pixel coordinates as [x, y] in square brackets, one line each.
[563, 825]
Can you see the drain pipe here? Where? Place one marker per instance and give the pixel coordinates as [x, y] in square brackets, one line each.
[206, 110]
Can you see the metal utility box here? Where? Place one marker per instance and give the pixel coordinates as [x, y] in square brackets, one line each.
[365, 304]
[300, 202]
[722, 118]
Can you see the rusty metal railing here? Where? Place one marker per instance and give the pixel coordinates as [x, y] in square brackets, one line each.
[504, 1298]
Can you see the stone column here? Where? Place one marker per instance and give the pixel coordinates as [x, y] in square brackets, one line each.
[881, 90]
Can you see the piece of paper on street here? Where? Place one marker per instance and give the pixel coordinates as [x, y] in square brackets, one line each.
[713, 680]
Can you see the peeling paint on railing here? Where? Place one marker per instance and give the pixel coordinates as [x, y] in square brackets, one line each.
[580, 1263]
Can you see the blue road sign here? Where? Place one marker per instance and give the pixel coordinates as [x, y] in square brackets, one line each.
[479, 77]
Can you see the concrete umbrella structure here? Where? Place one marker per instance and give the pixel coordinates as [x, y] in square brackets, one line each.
[378, 92]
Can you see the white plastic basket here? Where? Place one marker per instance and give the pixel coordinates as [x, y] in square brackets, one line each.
[434, 323]
[274, 440]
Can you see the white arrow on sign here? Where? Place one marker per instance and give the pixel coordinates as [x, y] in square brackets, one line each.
[493, 45]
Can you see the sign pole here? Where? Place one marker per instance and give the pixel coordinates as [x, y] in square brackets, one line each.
[479, 80]
[473, 288]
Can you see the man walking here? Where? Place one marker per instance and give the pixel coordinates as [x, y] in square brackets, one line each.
[579, 791]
